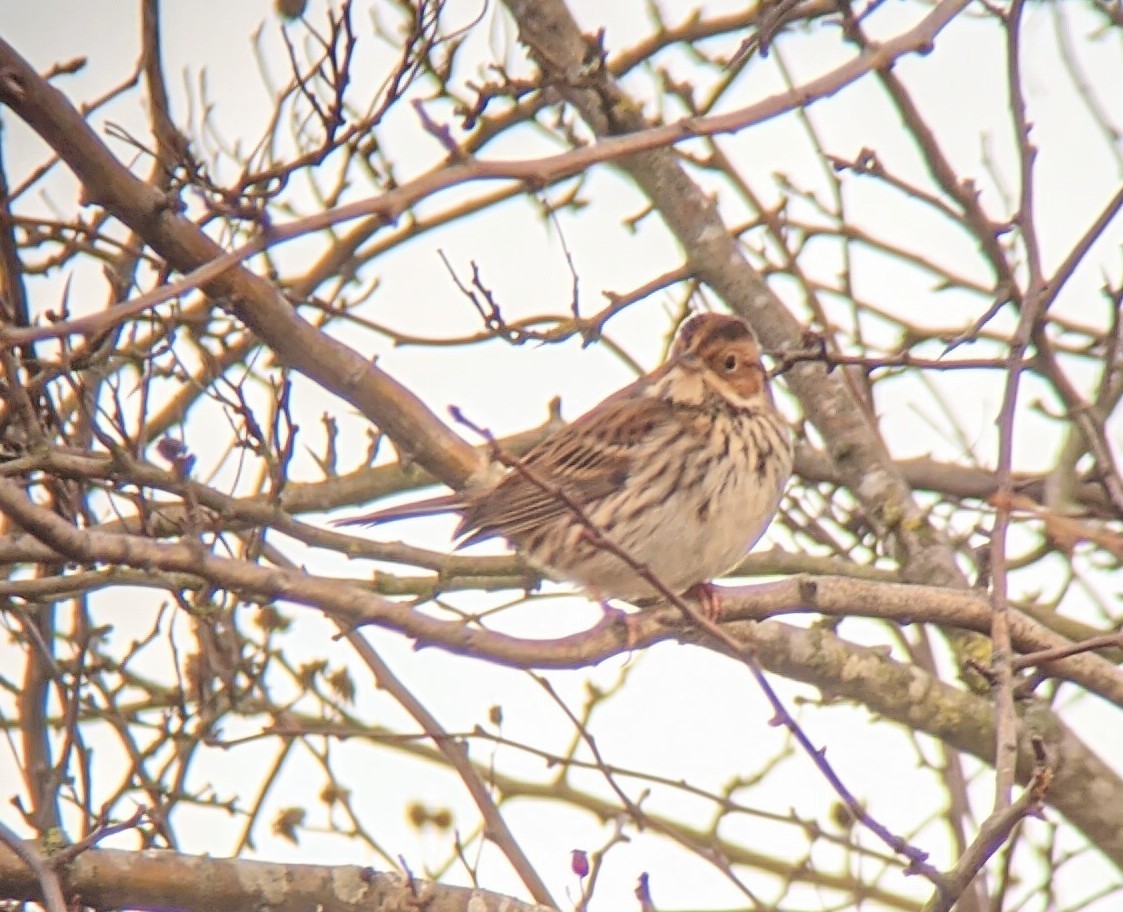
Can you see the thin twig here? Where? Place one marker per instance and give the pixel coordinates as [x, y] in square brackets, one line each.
[535, 172]
[1033, 306]
[995, 830]
[1043, 656]
[918, 862]
[454, 751]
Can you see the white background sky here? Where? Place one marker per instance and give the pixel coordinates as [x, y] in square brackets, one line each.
[690, 708]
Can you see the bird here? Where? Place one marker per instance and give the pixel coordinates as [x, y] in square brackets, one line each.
[681, 471]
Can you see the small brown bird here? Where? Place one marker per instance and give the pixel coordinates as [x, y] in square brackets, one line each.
[682, 470]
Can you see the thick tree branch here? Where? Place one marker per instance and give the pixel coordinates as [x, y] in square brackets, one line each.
[159, 880]
[901, 692]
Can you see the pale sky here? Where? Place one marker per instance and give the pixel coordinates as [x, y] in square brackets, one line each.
[698, 715]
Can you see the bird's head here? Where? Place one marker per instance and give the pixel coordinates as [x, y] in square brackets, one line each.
[724, 354]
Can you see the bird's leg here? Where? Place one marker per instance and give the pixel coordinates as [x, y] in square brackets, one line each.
[709, 598]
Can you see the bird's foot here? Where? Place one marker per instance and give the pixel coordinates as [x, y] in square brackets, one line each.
[709, 598]
[628, 620]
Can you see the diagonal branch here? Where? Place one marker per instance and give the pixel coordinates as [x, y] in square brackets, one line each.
[555, 41]
[251, 298]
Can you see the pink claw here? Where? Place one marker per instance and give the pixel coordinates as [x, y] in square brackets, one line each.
[709, 597]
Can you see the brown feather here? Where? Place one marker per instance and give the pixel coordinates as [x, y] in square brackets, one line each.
[587, 460]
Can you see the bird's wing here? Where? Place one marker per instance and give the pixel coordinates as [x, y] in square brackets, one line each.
[587, 460]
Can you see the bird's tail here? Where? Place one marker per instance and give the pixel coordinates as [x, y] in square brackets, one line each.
[446, 503]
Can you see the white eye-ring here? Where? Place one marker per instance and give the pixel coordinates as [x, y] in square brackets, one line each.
[730, 362]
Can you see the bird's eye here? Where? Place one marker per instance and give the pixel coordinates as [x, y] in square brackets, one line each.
[730, 362]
